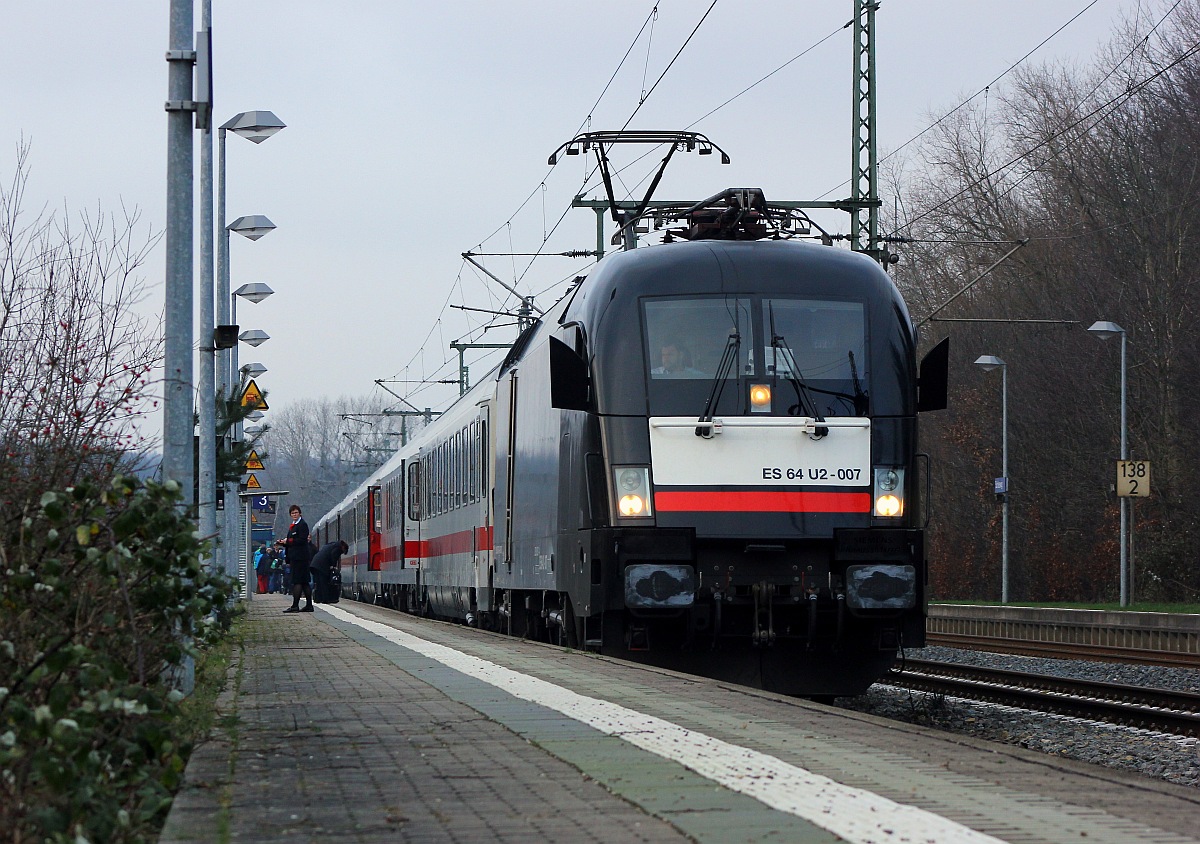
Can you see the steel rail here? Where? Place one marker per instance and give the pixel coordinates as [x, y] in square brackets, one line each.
[1155, 709]
[1065, 650]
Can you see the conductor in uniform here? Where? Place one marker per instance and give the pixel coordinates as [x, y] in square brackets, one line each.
[296, 551]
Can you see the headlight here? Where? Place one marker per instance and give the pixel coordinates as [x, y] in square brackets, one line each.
[760, 398]
[631, 505]
[889, 492]
[888, 505]
[630, 479]
[632, 485]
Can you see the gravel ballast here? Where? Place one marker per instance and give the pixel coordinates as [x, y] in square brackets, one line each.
[1172, 758]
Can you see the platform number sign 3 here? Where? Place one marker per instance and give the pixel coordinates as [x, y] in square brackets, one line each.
[1133, 478]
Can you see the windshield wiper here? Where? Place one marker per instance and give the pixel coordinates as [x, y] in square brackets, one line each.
[794, 378]
[803, 394]
[861, 406]
[728, 359]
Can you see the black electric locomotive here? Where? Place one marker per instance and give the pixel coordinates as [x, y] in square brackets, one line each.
[705, 457]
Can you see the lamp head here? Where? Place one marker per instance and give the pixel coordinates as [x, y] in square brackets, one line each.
[252, 226]
[254, 126]
[254, 292]
[989, 362]
[254, 337]
[1104, 330]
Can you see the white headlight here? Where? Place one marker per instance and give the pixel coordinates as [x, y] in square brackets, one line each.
[889, 492]
[632, 484]
[631, 505]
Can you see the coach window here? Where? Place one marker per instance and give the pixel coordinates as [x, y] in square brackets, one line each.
[464, 451]
[437, 479]
[414, 490]
[441, 481]
[460, 465]
[427, 484]
[454, 471]
[472, 448]
[453, 466]
[454, 490]
[483, 458]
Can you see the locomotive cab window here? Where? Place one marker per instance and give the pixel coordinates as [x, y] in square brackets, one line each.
[817, 346]
[792, 356]
[690, 338]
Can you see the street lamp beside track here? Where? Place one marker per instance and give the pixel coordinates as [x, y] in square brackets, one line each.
[1105, 330]
[987, 363]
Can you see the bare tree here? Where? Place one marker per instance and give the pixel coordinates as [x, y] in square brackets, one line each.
[75, 356]
[1099, 169]
[321, 449]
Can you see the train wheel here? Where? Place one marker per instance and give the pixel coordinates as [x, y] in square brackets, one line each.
[568, 630]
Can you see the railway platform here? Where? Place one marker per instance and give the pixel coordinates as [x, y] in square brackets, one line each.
[366, 725]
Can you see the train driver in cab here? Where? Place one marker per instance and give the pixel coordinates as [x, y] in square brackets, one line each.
[676, 361]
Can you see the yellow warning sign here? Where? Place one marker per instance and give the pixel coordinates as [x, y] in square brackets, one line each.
[252, 483]
[253, 462]
[253, 397]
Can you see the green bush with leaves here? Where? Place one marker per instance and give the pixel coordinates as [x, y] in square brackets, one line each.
[102, 597]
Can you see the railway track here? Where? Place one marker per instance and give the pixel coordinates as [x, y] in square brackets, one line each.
[1066, 650]
[1160, 710]
[1141, 638]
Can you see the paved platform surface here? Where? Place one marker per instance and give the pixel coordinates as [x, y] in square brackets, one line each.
[362, 724]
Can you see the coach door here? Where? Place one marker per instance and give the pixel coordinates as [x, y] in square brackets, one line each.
[412, 525]
[506, 413]
[374, 528]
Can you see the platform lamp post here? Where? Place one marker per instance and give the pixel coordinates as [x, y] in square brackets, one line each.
[1105, 330]
[987, 363]
[255, 126]
[252, 227]
[254, 293]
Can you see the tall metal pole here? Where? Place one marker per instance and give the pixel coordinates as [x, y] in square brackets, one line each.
[177, 363]
[1124, 500]
[864, 182]
[224, 388]
[1004, 472]
[207, 377]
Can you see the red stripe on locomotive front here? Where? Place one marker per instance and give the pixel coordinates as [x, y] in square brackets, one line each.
[744, 501]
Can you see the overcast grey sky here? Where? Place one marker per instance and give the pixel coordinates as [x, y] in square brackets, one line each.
[417, 130]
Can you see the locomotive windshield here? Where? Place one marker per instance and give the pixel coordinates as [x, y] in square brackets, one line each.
[686, 337]
[821, 344]
[813, 350]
